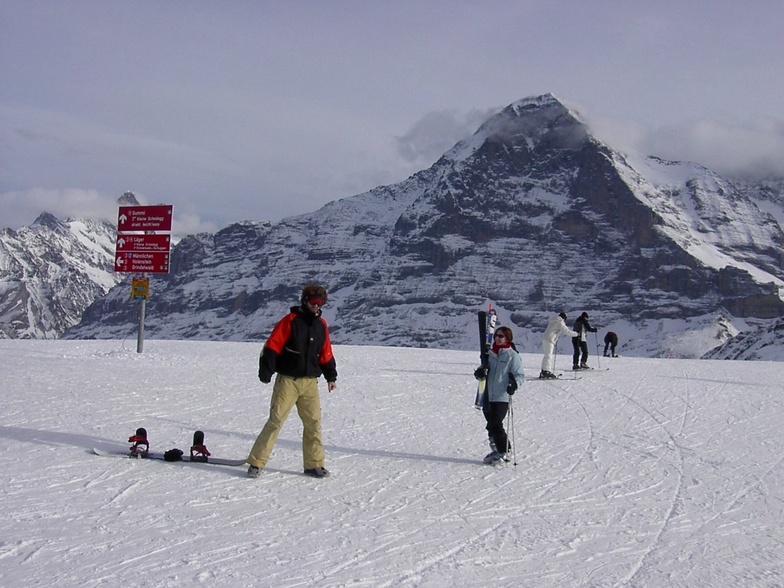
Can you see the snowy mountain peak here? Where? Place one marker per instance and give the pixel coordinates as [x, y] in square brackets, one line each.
[47, 220]
[533, 104]
[539, 101]
[128, 199]
[524, 125]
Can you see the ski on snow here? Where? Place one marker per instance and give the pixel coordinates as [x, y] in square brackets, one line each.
[570, 375]
[495, 460]
[559, 377]
[141, 450]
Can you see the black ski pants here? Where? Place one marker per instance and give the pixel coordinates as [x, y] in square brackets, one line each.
[580, 347]
[610, 342]
[495, 413]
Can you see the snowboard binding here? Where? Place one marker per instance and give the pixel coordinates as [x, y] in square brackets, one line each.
[140, 445]
[199, 451]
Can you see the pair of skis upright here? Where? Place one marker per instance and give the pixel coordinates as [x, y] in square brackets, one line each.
[487, 322]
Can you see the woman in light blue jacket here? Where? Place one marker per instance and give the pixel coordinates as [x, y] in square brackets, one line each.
[503, 375]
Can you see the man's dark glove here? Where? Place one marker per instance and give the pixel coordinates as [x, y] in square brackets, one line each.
[480, 373]
[265, 376]
[512, 386]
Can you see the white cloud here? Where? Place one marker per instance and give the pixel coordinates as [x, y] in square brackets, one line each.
[190, 224]
[23, 207]
[436, 132]
[751, 148]
[754, 147]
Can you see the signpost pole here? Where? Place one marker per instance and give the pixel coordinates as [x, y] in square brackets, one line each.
[140, 334]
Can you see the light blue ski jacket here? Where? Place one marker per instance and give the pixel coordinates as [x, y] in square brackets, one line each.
[506, 362]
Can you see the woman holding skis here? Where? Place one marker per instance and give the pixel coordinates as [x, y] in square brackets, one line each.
[503, 375]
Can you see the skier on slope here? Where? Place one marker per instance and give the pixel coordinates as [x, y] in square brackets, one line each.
[580, 343]
[556, 327]
[503, 376]
[610, 343]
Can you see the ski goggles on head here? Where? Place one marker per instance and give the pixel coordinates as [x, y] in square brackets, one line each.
[315, 301]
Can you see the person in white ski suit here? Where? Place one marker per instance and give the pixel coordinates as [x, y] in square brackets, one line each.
[556, 327]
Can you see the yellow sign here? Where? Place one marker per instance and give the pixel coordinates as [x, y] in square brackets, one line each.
[140, 288]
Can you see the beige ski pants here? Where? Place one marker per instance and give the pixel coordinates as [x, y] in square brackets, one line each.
[286, 393]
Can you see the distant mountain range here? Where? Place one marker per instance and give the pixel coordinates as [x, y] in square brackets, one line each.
[50, 272]
[532, 213]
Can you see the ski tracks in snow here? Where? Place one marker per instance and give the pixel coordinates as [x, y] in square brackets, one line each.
[661, 468]
[657, 473]
[626, 471]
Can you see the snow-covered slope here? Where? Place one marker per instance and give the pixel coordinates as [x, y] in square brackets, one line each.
[757, 342]
[710, 218]
[654, 473]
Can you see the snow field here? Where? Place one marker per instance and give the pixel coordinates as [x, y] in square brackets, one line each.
[653, 473]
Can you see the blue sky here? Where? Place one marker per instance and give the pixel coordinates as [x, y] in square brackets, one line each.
[260, 110]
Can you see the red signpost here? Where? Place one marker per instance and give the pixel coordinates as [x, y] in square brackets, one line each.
[145, 218]
[138, 252]
[142, 262]
[143, 243]
[142, 247]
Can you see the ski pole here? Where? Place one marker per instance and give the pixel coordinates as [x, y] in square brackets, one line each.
[598, 361]
[511, 427]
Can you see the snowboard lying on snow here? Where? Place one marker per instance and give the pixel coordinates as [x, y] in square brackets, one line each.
[141, 450]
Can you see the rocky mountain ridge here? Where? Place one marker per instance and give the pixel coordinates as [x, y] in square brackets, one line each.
[532, 213]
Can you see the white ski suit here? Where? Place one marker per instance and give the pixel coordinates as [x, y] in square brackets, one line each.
[556, 327]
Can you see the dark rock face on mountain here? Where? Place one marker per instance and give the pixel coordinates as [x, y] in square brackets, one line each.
[531, 213]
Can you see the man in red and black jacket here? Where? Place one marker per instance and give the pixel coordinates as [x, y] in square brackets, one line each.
[299, 351]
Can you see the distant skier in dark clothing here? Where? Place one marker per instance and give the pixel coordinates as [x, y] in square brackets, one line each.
[580, 343]
[610, 343]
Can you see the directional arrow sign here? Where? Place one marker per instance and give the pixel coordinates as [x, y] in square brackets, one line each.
[145, 218]
[156, 242]
[155, 262]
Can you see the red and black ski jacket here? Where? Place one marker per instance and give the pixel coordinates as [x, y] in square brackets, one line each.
[299, 346]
